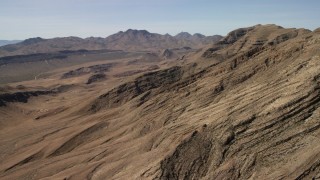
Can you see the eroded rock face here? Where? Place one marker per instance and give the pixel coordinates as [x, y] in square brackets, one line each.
[101, 68]
[192, 158]
[128, 91]
[20, 96]
[235, 35]
[252, 142]
[166, 54]
[96, 78]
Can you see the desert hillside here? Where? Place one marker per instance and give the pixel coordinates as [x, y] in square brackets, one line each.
[245, 106]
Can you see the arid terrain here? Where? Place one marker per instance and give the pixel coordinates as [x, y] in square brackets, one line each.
[140, 105]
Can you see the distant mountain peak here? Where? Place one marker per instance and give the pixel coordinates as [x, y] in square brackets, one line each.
[184, 35]
[198, 35]
[135, 31]
[32, 40]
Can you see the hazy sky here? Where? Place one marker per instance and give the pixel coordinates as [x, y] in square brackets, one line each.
[21, 19]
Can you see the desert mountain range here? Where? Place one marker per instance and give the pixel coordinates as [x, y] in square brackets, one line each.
[243, 106]
[6, 42]
[130, 40]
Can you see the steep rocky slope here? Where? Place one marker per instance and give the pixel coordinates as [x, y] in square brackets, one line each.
[252, 114]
